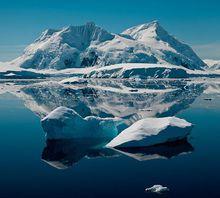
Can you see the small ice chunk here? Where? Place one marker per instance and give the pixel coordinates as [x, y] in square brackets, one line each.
[157, 189]
[10, 74]
[74, 81]
[152, 131]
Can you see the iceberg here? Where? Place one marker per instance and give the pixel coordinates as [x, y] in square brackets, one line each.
[65, 123]
[152, 131]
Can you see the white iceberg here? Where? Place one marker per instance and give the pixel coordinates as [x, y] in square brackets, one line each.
[152, 131]
[65, 123]
[157, 189]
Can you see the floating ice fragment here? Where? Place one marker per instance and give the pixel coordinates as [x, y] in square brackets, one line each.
[157, 189]
[74, 81]
[152, 131]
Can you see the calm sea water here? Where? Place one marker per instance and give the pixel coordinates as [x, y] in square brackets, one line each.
[194, 172]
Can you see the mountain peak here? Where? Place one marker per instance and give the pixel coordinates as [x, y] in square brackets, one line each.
[79, 37]
[145, 31]
[90, 23]
[46, 34]
[154, 23]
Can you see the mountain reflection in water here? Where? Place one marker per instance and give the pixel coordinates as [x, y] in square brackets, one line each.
[126, 99]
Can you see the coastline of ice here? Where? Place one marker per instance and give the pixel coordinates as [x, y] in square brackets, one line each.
[117, 71]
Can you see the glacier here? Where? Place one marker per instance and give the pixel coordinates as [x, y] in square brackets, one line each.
[139, 71]
[120, 71]
[147, 70]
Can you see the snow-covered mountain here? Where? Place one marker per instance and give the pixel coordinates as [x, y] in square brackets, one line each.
[89, 45]
[213, 64]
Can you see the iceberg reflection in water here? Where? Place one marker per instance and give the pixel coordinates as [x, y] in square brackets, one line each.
[162, 151]
[63, 154]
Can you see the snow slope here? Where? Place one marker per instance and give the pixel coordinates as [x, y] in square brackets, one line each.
[89, 45]
[146, 70]
[170, 50]
[138, 70]
[212, 64]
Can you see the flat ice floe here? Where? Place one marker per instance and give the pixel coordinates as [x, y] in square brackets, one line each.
[152, 131]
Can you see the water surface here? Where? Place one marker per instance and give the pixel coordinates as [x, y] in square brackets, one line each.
[33, 167]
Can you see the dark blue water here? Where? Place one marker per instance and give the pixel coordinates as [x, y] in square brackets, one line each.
[24, 174]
